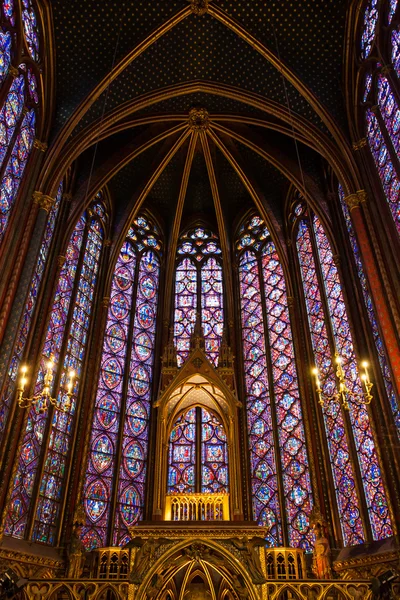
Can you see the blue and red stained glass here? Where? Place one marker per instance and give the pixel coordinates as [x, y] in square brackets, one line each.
[55, 460]
[24, 327]
[198, 288]
[363, 437]
[380, 348]
[8, 10]
[369, 31]
[392, 10]
[387, 173]
[15, 169]
[389, 110]
[264, 481]
[341, 464]
[10, 114]
[5, 53]
[29, 21]
[396, 51]
[124, 388]
[186, 447]
[33, 438]
[289, 418]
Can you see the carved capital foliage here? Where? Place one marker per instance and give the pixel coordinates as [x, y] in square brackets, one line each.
[199, 7]
[352, 201]
[43, 201]
[106, 301]
[360, 144]
[41, 146]
[199, 119]
[362, 194]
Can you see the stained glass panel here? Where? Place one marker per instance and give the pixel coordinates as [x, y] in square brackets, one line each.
[389, 110]
[370, 21]
[261, 440]
[108, 403]
[30, 28]
[33, 437]
[23, 331]
[5, 53]
[11, 113]
[383, 362]
[56, 458]
[132, 475]
[342, 468]
[212, 309]
[185, 307]
[8, 10]
[384, 165]
[214, 455]
[396, 51]
[182, 454]
[363, 437]
[392, 10]
[15, 169]
[292, 442]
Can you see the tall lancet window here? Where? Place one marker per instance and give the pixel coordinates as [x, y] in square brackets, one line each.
[198, 289]
[280, 474]
[113, 495]
[379, 343]
[19, 49]
[330, 333]
[198, 454]
[43, 465]
[381, 107]
[9, 385]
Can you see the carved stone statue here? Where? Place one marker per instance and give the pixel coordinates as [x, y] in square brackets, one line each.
[250, 556]
[322, 554]
[76, 554]
[144, 556]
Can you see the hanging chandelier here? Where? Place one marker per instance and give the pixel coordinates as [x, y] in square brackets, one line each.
[43, 400]
[343, 394]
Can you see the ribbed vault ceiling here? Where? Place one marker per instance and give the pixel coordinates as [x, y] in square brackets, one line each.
[262, 69]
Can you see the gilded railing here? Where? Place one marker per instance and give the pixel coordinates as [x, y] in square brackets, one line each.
[197, 507]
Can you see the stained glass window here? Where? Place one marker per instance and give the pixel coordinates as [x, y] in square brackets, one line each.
[273, 398]
[5, 53]
[389, 110]
[384, 165]
[124, 390]
[392, 10]
[30, 28]
[24, 326]
[380, 348]
[70, 314]
[328, 306]
[198, 287]
[370, 21]
[396, 51]
[8, 10]
[198, 454]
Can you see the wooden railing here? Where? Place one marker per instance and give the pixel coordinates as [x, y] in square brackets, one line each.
[197, 507]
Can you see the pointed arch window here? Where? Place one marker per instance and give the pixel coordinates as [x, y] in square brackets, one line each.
[330, 332]
[280, 474]
[198, 289]
[113, 495]
[9, 385]
[42, 466]
[198, 454]
[382, 113]
[379, 345]
[369, 29]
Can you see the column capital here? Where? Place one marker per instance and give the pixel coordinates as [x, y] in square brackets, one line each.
[107, 243]
[106, 301]
[43, 201]
[360, 144]
[61, 260]
[362, 194]
[199, 7]
[41, 146]
[290, 301]
[352, 201]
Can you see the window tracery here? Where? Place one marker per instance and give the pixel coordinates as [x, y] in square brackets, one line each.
[370, 21]
[122, 404]
[275, 423]
[198, 454]
[69, 322]
[330, 330]
[198, 288]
